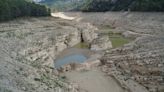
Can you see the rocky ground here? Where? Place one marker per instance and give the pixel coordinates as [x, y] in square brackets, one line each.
[28, 49]
[29, 46]
[142, 60]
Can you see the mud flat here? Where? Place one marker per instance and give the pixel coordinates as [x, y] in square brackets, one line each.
[94, 81]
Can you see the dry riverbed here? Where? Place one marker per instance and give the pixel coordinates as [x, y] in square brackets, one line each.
[93, 81]
[138, 65]
[29, 47]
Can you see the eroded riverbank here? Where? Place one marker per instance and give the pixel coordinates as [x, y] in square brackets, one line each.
[88, 77]
[139, 62]
[29, 47]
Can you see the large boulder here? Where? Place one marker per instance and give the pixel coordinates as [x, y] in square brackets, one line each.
[88, 33]
[101, 43]
[73, 38]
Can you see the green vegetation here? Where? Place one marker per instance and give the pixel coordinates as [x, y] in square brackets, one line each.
[105, 5]
[119, 5]
[117, 39]
[82, 45]
[11, 9]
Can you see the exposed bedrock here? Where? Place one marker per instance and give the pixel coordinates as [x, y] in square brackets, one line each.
[101, 43]
[48, 44]
[88, 33]
[28, 49]
[141, 60]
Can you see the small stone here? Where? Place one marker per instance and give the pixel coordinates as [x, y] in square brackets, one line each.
[24, 88]
[110, 61]
[160, 65]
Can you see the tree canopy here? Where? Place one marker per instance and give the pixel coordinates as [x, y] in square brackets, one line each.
[119, 5]
[10, 9]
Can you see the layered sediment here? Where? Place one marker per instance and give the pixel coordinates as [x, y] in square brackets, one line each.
[28, 49]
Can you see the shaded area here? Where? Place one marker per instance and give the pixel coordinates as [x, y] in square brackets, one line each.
[82, 45]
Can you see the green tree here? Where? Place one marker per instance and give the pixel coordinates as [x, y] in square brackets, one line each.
[119, 5]
[10, 9]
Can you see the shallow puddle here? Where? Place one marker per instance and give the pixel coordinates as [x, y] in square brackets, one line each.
[115, 37]
[75, 58]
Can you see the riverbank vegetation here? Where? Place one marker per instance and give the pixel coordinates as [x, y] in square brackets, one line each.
[118, 40]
